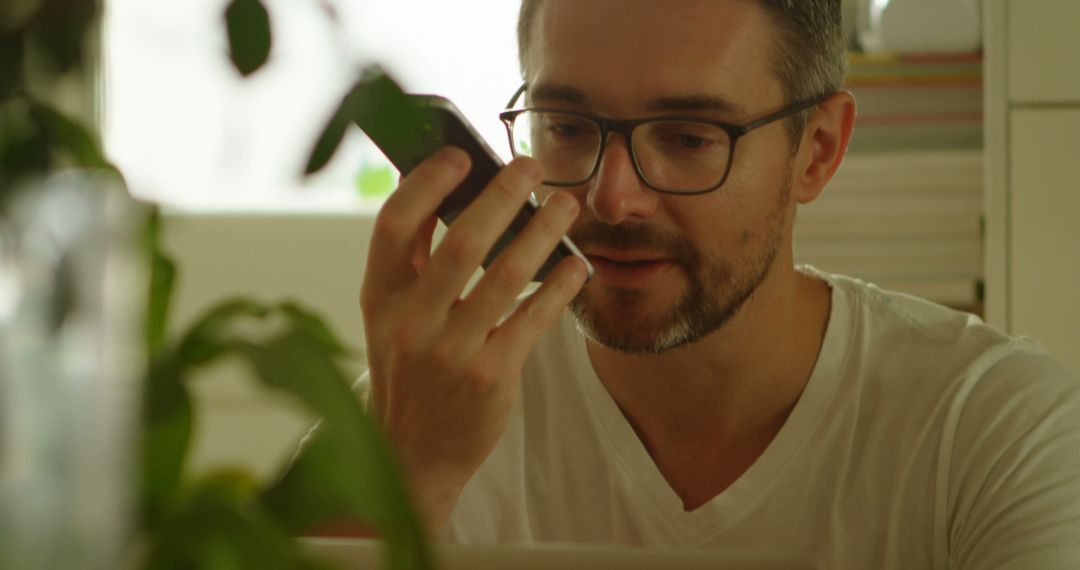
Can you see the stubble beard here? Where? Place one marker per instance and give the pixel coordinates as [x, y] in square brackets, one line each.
[717, 288]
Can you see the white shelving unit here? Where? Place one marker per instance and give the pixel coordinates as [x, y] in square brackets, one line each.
[1032, 255]
[906, 221]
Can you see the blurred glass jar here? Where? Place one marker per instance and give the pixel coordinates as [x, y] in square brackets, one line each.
[72, 292]
[919, 26]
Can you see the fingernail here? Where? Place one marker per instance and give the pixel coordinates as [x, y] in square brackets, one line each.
[532, 169]
[580, 273]
[456, 157]
[564, 201]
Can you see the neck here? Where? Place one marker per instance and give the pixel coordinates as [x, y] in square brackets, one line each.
[735, 388]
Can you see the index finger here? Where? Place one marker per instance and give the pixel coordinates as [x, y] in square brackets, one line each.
[400, 221]
[519, 333]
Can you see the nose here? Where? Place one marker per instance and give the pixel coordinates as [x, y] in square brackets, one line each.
[617, 194]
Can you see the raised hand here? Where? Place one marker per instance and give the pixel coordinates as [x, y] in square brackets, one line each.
[445, 370]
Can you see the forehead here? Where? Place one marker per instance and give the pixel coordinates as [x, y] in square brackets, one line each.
[624, 52]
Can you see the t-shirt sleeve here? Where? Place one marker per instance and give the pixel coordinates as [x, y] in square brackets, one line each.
[1014, 498]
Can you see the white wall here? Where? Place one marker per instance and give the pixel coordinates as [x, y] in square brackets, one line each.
[315, 259]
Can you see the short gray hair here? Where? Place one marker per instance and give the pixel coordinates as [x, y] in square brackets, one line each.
[809, 55]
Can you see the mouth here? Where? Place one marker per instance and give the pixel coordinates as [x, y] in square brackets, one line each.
[638, 263]
[626, 256]
[630, 269]
[628, 263]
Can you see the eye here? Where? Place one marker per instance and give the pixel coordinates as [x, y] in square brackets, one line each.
[686, 136]
[566, 130]
[693, 142]
[686, 142]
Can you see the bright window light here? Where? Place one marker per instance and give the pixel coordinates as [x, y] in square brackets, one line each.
[188, 131]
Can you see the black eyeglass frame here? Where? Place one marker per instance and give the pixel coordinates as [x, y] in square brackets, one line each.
[626, 127]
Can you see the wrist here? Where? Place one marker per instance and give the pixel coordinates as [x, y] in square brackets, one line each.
[434, 495]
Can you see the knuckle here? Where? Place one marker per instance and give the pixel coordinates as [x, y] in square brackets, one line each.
[404, 338]
[550, 222]
[387, 226]
[536, 315]
[506, 188]
[368, 304]
[511, 275]
[482, 376]
[443, 355]
[462, 245]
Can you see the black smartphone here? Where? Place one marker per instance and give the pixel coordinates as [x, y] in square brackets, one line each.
[409, 128]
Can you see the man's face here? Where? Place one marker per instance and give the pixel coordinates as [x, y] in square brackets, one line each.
[670, 269]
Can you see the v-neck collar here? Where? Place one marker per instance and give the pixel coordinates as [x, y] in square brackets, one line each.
[724, 510]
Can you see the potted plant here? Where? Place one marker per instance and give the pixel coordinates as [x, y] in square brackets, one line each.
[224, 519]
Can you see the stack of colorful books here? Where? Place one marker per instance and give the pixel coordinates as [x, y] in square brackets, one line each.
[917, 101]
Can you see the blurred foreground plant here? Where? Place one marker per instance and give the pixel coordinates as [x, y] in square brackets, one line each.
[225, 519]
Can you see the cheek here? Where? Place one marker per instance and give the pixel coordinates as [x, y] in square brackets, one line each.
[708, 224]
[757, 184]
[731, 219]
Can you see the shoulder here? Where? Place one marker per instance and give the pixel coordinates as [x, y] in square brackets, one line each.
[1012, 455]
[1003, 413]
[891, 333]
[918, 363]
[906, 341]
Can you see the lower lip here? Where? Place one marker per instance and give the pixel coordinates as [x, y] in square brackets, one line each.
[630, 275]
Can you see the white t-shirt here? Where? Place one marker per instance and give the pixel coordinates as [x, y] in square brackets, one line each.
[923, 439]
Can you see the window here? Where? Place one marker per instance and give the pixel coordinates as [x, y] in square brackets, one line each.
[188, 131]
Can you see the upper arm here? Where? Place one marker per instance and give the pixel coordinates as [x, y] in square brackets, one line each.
[1015, 475]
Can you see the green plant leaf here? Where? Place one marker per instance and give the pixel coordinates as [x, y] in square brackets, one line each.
[374, 100]
[220, 524]
[24, 148]
[11, 64]
[166, 414]
[348, 475]
[162, 281]
[330, 138]
[167, 408]
[57, 32]
[326, 489]
[250, 37]
[349, 472]
[209, 337]
[316, 491]
[312, 325]
[163, 276]
[68, 135]
[378, 104]
[14, 15]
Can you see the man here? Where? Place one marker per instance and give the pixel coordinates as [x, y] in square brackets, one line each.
[701, 391]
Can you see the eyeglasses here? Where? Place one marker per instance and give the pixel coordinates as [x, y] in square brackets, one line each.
[671, 154]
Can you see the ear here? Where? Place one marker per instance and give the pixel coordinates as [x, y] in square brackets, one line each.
[824, 142]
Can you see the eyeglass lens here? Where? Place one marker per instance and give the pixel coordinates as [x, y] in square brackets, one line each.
[673, 155]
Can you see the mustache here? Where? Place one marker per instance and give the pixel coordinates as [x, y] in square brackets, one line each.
[632, 236]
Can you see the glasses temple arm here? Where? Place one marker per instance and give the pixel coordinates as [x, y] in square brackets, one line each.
[517, 94]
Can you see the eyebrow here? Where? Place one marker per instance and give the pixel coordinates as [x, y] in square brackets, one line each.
[574, 96]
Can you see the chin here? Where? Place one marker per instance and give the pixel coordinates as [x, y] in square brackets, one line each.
[641, 322]
[628, 322]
